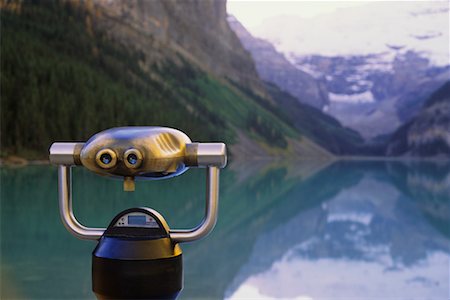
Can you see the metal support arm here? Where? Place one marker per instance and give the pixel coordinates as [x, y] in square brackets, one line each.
[66, 211]
[178, 235]
[211, 211]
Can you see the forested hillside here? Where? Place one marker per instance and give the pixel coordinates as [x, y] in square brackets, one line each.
[428, 133]
[72, 68]
[61, 81]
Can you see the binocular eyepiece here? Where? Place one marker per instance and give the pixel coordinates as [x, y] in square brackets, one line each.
[139, 152]
[143, 153]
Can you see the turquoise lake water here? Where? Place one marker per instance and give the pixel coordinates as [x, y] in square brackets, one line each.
[304, 230]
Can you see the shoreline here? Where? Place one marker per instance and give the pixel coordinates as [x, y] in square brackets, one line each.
[17, 161]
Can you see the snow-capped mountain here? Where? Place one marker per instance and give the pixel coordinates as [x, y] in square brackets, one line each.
[379, 61]
[272, 66]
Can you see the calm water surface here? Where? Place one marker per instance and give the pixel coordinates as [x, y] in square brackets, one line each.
[312, 230]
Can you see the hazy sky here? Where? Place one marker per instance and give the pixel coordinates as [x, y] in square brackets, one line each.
[252, 12]
[340, 28]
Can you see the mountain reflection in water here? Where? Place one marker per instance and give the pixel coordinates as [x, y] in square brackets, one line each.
[304, 230]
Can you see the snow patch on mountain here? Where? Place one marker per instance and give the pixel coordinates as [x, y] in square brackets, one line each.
[365, 97]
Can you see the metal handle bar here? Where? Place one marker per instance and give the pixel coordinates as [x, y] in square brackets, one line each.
[177, 235]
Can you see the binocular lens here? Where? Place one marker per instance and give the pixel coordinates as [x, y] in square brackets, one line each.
[106, 158]
[132, 159]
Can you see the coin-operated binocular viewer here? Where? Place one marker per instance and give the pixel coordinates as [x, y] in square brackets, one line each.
[138, 256]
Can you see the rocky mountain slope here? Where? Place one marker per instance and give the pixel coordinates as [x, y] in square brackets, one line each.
[273, 67]
[428, 133]
[379, 62]
[300, 97]
[196, 30]
[85, 66]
